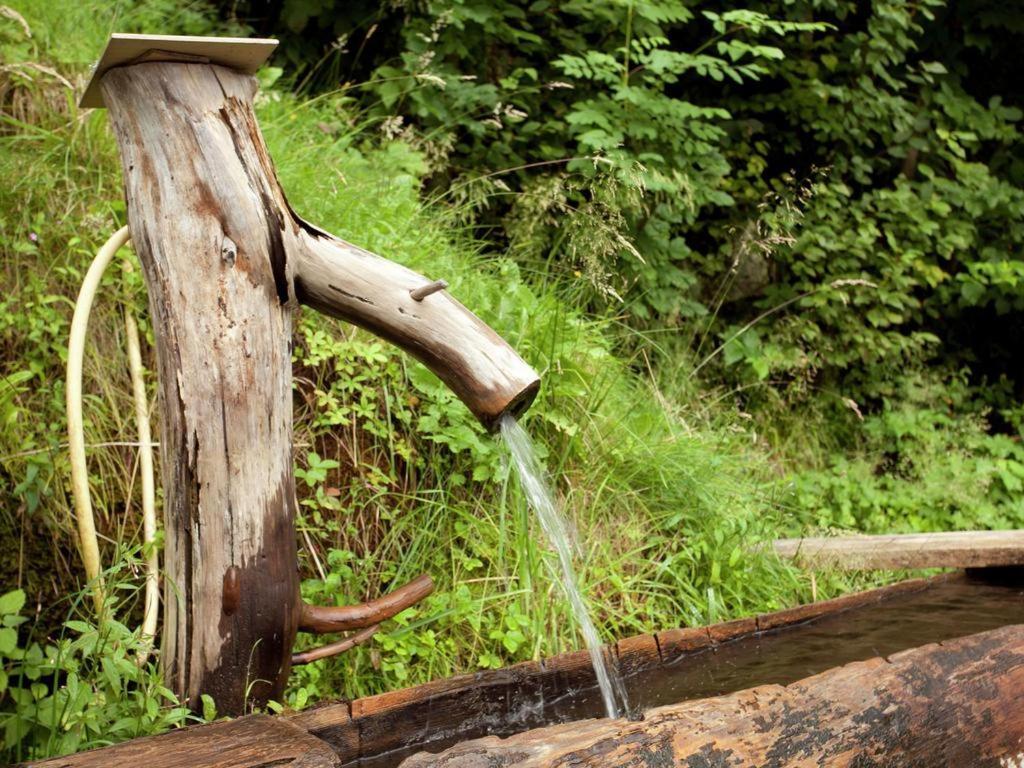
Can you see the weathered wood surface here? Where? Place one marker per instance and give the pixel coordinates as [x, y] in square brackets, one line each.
[256, 741]
[955, 704]
[244, 54]
[967, 549]
[203, 210]
[225, 261]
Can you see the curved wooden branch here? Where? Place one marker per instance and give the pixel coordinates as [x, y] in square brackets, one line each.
[322, 619]
[416, 314]
[333, 649]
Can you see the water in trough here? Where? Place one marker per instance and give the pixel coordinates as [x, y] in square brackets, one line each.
[541, 499]
[499, 705]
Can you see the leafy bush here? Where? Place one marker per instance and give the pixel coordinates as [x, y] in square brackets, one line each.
[85, 689]
[925, 462]
[852, 171]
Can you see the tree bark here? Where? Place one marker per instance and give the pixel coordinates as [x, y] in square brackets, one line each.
[954, 704]
[226, 259]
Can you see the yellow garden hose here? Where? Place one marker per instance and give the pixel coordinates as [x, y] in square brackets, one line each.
[76, 444]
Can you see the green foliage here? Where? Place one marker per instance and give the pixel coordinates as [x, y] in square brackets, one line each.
[921, 199]
[925, 462]
[415, 485]
[859, 165]
[739, 245]
[594, 128]
[85, 689]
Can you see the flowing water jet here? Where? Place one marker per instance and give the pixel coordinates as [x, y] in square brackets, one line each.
[541, 499]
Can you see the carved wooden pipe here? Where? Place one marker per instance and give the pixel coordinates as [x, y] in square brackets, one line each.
[402, 306]
[365, 616]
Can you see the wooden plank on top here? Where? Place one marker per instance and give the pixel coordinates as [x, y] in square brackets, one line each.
[959, 549]
[246, 54]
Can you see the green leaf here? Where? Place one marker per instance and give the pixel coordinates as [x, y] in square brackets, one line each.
[8, 640]
[12, 602]
[209, 707]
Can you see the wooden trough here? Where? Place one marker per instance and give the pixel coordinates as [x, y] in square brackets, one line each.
[933, 674]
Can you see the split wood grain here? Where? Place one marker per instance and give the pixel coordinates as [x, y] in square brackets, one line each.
[204, 213]
[226, 260]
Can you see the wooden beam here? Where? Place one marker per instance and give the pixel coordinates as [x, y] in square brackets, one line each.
[962, 549]
[950, 704]
[256, 741]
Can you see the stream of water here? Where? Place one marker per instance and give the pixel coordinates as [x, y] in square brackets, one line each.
[539, 495]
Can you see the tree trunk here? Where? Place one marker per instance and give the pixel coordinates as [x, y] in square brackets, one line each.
[205, 220]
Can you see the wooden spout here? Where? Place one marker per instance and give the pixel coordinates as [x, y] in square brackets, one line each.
[345, 281]
[226, 260]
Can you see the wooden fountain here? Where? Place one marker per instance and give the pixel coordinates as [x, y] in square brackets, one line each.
[226, 261]
[954, 701]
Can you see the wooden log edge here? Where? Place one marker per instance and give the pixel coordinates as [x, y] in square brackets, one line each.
[907, 551]
[944, 704]
[250, 741]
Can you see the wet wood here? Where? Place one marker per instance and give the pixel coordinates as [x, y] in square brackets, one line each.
[256, 741]
[966, 549]
[226, 260]
[522, 696]
[942, 705]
